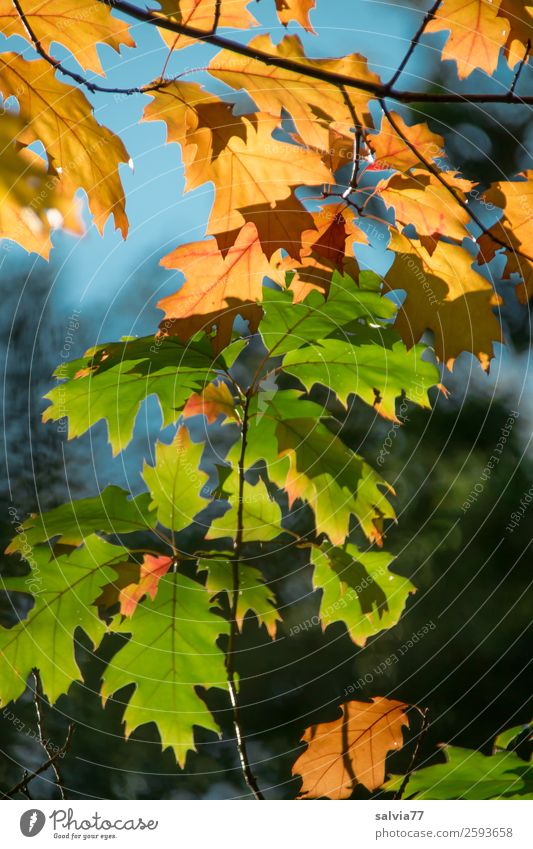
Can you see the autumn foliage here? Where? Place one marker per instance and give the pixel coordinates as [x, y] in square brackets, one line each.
[322, 159]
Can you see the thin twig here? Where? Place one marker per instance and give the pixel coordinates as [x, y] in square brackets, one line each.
[358, 130]
[421, 734]
[230, 654]
[44, 740]
[21, 787]
[436, 173]
[520, 67]
[430, 14]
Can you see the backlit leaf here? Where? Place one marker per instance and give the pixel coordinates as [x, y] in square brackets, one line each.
[352, 749]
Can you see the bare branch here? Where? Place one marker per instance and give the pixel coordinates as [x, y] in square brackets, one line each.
[22, 786]
[379, 90]
[421, 734]
[430, 14]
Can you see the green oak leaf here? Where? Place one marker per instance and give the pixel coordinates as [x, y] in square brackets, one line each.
[468, 774]
[176, 480]
[254, 594]
[359, 589]
[111, 512]
[64, 589]
[111, 381]
[378, 370]
[171, 651]
[510, 735]
[336, 482]
[287, 326]
[261, 516]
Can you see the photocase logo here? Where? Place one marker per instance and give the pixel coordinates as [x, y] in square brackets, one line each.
[32, 822]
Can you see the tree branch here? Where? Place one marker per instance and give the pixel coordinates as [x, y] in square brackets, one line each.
[379, 90]
[520, 67]
[230, 654]
[21, 787]
[430, 14]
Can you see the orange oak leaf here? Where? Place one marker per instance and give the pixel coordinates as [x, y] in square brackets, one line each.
[295, 10]
[254, 174]
[214, 401]
[445, 295]
[217, 287]
[152, 570]
[477, 34]
[326, 248]
[82, 152]
[514, 228]
[391, 151]
[352, 749]
[420, 199]
[78, 26]
[201, 14]
[519, 16]
[312, 104]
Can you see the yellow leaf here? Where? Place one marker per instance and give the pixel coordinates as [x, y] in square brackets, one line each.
[352, 749]
[201, 15]
[217, 287]
[295, 10]
[515, 229]
[79, 26]
[312, 104]
[83, 153]
[519, 16]
[476, 34]
[445, 295]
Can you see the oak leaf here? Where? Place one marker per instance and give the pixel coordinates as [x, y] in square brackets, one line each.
[201, 14]
[78, 26]
[391, 151]
[519, 16]
[445, 295]
[84, 153]
[295, 10]
[254, 594]
[213, 401]
[152, 570]
[420, 199]
[217, 287]
[352, 749]
[477, 34]
[312, 104]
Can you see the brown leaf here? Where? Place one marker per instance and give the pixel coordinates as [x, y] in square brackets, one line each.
[79, 26]
[352, 749]
[217, 287]
[83, 153]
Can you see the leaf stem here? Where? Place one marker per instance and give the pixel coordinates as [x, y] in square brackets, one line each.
[420, 736]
